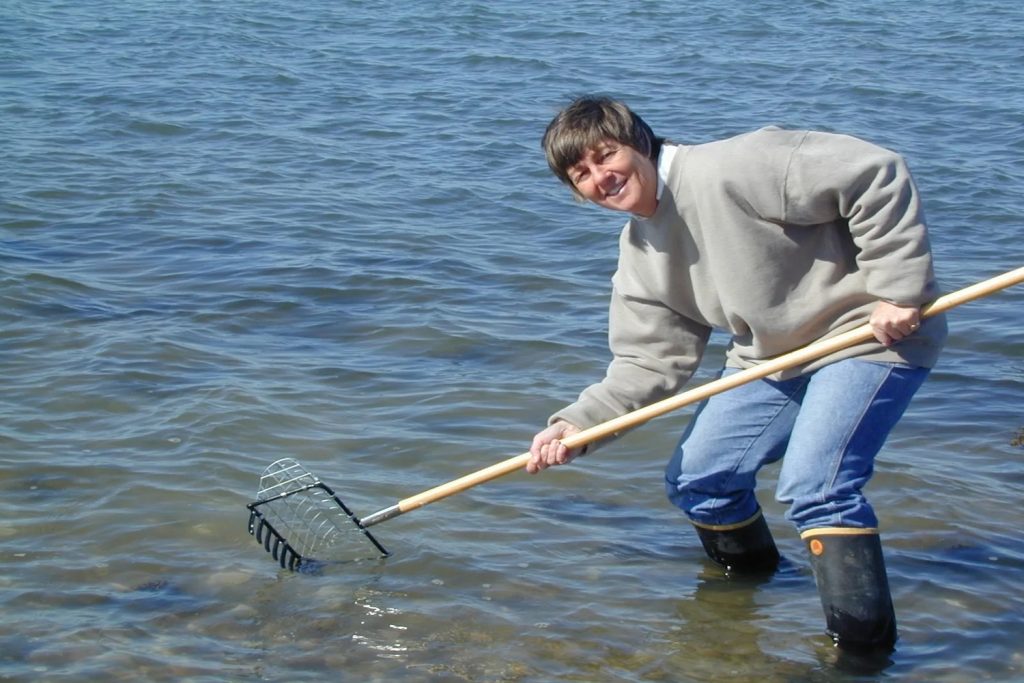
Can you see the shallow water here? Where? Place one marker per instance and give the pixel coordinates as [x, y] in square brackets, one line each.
[231, 234]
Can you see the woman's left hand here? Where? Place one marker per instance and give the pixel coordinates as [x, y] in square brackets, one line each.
[892, 322]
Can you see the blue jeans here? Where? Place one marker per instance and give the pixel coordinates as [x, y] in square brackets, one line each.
[828, 424]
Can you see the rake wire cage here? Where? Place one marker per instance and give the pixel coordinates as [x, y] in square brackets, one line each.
[298, 519]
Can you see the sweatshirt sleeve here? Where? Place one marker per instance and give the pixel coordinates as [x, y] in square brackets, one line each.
[655, 351]
[837, 177]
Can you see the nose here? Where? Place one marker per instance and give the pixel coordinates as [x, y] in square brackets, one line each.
[602, 176]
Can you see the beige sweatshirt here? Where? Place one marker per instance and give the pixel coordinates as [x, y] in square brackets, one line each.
[778, 238]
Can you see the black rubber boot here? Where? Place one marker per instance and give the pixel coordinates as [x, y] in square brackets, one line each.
[850, 573]
[744, 549]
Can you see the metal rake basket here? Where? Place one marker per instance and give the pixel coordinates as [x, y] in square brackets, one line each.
[302, 523]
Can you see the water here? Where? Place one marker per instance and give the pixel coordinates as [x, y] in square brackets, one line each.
[233, 232]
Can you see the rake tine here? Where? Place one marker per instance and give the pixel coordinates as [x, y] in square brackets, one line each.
[294, 560]
[259, 530]
[277, 545]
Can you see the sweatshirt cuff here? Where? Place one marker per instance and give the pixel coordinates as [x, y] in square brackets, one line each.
[584, 417]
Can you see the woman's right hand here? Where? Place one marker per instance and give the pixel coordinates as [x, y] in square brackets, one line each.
[547, 448]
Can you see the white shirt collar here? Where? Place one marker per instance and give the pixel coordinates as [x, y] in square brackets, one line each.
[665, 157]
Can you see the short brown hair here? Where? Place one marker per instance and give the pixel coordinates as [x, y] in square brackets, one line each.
[587, 121]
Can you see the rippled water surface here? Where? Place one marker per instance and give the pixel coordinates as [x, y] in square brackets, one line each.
[232, 232]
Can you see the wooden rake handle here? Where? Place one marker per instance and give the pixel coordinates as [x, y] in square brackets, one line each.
[786, 361]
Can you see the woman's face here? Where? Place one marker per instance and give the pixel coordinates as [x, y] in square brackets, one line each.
[617, 177]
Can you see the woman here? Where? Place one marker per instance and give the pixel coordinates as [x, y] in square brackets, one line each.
[778, 238]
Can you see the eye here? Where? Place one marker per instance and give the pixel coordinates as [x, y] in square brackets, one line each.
[608, 153]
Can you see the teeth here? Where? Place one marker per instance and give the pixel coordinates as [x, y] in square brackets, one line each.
[615, 190]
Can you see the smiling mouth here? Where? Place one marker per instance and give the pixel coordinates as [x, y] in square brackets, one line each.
[614, 192]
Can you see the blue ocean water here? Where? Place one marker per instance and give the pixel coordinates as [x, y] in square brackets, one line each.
[232, 232]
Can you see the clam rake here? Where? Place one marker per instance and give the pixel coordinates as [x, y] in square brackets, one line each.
[301, 522]
[297, 518]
